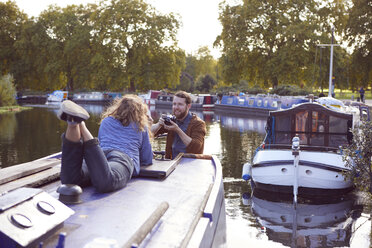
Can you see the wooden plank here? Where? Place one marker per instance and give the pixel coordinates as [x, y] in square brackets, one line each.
[34, 180]
[17, 171]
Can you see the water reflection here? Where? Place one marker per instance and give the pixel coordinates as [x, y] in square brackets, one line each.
[32, 134]
[8, 125]
[256, 124]
[264, 222]
[312, 223]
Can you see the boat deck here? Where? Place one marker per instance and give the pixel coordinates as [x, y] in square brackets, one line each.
[194, 192]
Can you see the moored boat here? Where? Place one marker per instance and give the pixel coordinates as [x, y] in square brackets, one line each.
[31, 99]
[259, 105]
[204, 102]
[164, 100]
[150, 97]
[57, 97]
[173, 203]
[95, 97]
[313, 162]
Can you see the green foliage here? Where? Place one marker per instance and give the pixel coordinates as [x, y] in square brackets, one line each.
[11, 21]
[116, 45]
[186, 82]
[289, 90]
[128, 45]
[196, 70]
[275, 42]
[7, 91]
[205, 83]
[358, 157]
[256, 90]
[356, 21]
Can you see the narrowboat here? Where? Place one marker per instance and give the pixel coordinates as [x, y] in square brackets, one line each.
[203, 102]
[172, 203]
[257, 105]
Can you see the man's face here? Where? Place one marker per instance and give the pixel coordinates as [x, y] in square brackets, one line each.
[180, 108]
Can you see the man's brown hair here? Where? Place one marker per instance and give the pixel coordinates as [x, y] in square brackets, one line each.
[185, 95]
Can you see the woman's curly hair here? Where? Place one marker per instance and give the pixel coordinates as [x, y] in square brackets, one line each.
[129, 108]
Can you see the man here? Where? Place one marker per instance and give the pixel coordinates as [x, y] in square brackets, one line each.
[361, 92]
[187, 133]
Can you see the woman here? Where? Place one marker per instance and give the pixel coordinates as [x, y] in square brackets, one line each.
[123, 144]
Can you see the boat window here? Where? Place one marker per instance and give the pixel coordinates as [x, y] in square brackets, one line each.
[283, 123]
[283, 129]
[336, 140]
[251, 101]
[265, 103]
[337, 125]
[229, 100]
[241, 101]
[283, 138]
[302, 126]
[317, 139]
[274, 104]
[259, 103]
[338, 128]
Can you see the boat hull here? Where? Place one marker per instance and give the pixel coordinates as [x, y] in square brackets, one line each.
[318, 172]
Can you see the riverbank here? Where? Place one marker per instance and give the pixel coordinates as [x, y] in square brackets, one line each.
[15, 108]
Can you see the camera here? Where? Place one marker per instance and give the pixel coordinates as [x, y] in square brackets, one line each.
[168, 118]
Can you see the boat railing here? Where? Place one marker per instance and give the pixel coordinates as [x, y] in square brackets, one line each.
[303, 147]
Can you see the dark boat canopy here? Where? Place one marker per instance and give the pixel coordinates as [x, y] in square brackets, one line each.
[314, 124]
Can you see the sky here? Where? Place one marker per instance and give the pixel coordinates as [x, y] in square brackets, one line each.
[200, 25]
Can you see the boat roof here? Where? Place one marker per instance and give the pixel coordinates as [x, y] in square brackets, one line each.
[312, 106]
[192, 190]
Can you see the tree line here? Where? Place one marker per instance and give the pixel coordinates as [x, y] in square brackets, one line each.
[127, 45]
[277, 42]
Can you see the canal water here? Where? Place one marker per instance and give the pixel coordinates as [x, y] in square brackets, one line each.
[253, 220]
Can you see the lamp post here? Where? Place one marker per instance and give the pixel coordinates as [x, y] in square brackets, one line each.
[330, 64]
[320, 68]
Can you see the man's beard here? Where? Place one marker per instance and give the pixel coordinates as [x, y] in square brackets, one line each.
[181, 115]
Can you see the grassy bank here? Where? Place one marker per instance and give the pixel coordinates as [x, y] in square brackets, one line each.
[15, 108]
[347, 94]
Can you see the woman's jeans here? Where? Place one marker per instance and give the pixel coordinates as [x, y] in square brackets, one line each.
[85, 163]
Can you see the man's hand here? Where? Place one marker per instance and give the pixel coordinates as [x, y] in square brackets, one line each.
[172, 127]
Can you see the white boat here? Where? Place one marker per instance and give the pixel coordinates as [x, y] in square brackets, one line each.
[57, 96]
[150, 97]
[173, 203]
[95, 97]
[316, 166]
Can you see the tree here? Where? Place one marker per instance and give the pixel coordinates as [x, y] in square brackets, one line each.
[197, 67]
[356, 21]
[271, 42]
[205, 83]
[135, 36]
[11, 21]
[7, 91]
[69, 50]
